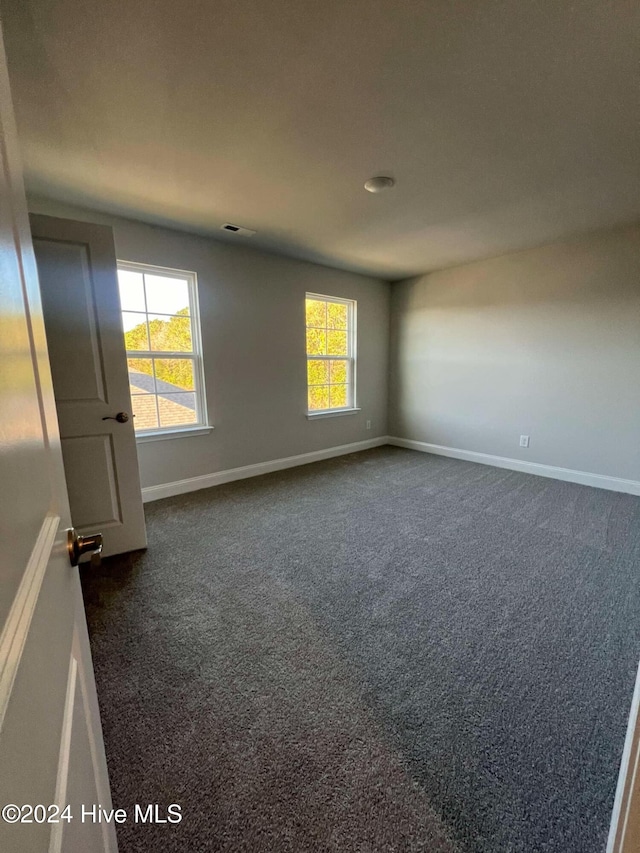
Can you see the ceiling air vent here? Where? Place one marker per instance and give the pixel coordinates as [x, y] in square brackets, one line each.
[237, 229]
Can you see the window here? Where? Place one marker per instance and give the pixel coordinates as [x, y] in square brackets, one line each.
[164, 354]
[331, 371]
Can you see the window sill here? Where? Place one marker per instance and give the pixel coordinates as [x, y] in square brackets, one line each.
[187, 432]
[312, 416]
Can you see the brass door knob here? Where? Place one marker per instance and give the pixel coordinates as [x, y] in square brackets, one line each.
[79, 545]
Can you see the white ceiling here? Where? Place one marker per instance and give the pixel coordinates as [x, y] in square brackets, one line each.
[506, 123]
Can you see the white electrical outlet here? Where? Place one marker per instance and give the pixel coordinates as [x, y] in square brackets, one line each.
[524, 441]
[368, 424]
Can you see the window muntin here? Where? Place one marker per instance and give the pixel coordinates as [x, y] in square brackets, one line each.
[330, 331]
[164, 354]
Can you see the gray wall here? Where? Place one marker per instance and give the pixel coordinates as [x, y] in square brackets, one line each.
[252, 313]
[544, 342]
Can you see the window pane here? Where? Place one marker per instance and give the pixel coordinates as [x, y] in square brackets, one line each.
[156, 315]
[336, 315]
[135, 331]
[318, 397]
[131, 291]
[172, 334]
[316, 342]
[174, 374]
[316, 313]
[166, 295]
[141, 375]
[337, 343]
[328, 330]
[337, 396]
[317, 372]
[144, 410]
[339, 371]
[177, 409]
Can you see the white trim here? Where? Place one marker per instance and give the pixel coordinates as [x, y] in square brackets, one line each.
[343, 300]
[98, 757]
[205, 481]
[584, 478]
[629, 766]
[332, 413]
[142, 437]
[16, 627]
[91, 719]
[55, 839]
[166, 272]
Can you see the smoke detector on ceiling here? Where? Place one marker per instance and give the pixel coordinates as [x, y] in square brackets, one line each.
[237, 229]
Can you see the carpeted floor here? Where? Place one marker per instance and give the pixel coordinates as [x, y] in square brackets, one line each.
[388, 651]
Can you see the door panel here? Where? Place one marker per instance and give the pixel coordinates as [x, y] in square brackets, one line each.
[31, 730]
[81, 303]
[41, 617]
[22, 444]
[87, 457]
[70, 300]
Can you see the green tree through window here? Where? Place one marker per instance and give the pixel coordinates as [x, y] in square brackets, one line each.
[170, 335]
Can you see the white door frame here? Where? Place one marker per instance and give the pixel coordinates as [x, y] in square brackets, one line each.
[624, 832]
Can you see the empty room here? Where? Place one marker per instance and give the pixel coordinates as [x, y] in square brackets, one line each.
[319, 426]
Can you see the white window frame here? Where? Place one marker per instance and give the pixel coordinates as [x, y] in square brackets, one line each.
[352, 338]
[201, 425]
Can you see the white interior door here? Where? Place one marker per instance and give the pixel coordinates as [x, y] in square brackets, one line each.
[81, 303]
[51, 750]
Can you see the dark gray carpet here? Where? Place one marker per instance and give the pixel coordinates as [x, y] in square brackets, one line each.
[388, 651]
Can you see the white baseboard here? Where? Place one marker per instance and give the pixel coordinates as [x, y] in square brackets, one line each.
[192, 484]
[600, 481]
